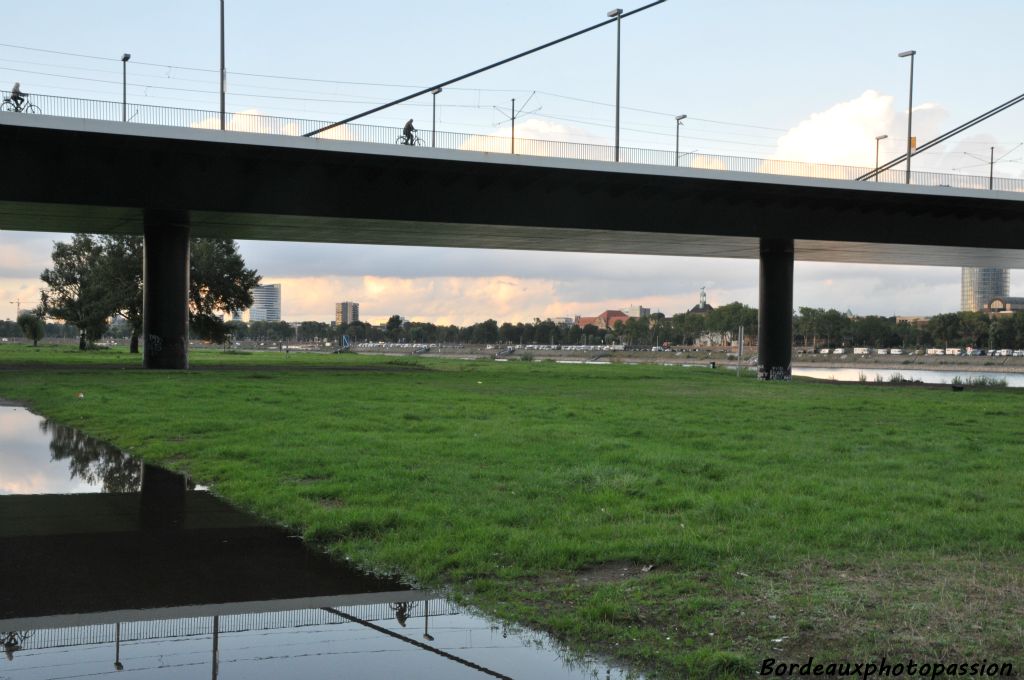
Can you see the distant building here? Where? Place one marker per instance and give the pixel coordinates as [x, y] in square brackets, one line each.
[919, 321]
[346, 313]
[981, 285]
[1004, 305]
[702, 307]
[563, 321]
[606, 320]
[236, 314]
[266, 303]
[715, 339]
[636, 311]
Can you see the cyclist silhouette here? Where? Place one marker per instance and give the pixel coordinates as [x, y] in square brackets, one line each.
[17, 96]
[407, 132]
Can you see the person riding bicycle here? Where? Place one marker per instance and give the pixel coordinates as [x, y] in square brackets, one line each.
[17, 96]
[407, 132]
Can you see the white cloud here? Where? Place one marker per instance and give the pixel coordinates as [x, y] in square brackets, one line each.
[254, 120]
[844, 134]
[536, 137]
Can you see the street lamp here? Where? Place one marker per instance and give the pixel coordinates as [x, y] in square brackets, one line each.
[877, 140]
[617, 14]
[679, 121]
[124, 85]
[223, 71]
[910, 106]
[426, 621]
[433, 123]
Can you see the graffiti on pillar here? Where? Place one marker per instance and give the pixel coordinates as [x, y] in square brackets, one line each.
[154, 344]
[177, 346]
[773, 372]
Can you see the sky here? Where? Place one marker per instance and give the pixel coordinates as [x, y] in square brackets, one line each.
[799, 80]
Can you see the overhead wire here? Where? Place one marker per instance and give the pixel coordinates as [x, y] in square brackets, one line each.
[350, 98]
[365, 84]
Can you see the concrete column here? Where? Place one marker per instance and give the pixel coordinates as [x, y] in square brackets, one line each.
[775, 310]
[165, 289]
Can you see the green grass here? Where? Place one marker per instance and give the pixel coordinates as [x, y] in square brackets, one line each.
[848, 521]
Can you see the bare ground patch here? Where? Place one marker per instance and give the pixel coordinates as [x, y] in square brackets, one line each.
[938, 609]
[942, 609]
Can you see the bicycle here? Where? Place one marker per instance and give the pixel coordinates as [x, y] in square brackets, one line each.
[25, 106]
[416, 140]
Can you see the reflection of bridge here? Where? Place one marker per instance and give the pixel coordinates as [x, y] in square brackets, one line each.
[170, 569]
[169, 183]
[116, 627]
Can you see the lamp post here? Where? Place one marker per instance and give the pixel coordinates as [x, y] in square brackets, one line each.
[877, 140]
[910, 107]
[223, 72]
[991, 165]
[426, 621]
[433, 122]
[679, 122]
[617, 14]
[124, 86]
[117, 648]
[513, 126]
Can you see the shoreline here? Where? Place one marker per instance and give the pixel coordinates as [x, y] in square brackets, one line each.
[703, 358]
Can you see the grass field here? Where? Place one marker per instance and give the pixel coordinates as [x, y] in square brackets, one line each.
[684, 521]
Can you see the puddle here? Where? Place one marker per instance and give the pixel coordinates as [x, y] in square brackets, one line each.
[108, 566]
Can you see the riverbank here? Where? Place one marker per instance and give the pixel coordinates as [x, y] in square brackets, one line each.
[682, 522]
[726, 359]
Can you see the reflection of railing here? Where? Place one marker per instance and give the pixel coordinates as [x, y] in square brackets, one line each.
[231, 623]
[245, 122]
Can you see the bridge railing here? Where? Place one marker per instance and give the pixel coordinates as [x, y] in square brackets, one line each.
[230, 623]
[502, 143]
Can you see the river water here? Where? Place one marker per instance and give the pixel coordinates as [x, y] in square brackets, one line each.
[926, 376]
[108, 565]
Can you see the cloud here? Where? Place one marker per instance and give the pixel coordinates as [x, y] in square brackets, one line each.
[254, 120]
[702, 161]
[844, 134]
[536, 137]
[462, 300]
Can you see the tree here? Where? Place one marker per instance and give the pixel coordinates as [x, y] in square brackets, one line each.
[218, 283]
[32, 327]
[120, 272]
[394, 327]
[831, 324]
[945, 328]
[974, 328]
[94, 278]
[75, 291]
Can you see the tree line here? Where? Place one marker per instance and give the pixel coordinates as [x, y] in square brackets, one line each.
[831, 328]
[96, 279]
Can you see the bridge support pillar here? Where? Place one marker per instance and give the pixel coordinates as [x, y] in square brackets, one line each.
[165, 273]
[775, 310]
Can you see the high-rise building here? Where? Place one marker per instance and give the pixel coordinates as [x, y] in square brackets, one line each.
[346, 313]
[979, 285]
[266, 303]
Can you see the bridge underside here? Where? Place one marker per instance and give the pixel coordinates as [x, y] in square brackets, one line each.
[75, 175]
[255, 226]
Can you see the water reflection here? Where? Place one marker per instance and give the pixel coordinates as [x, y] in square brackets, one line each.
[362, 639]
[931, 377]
[91, 460]
[161, 580]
